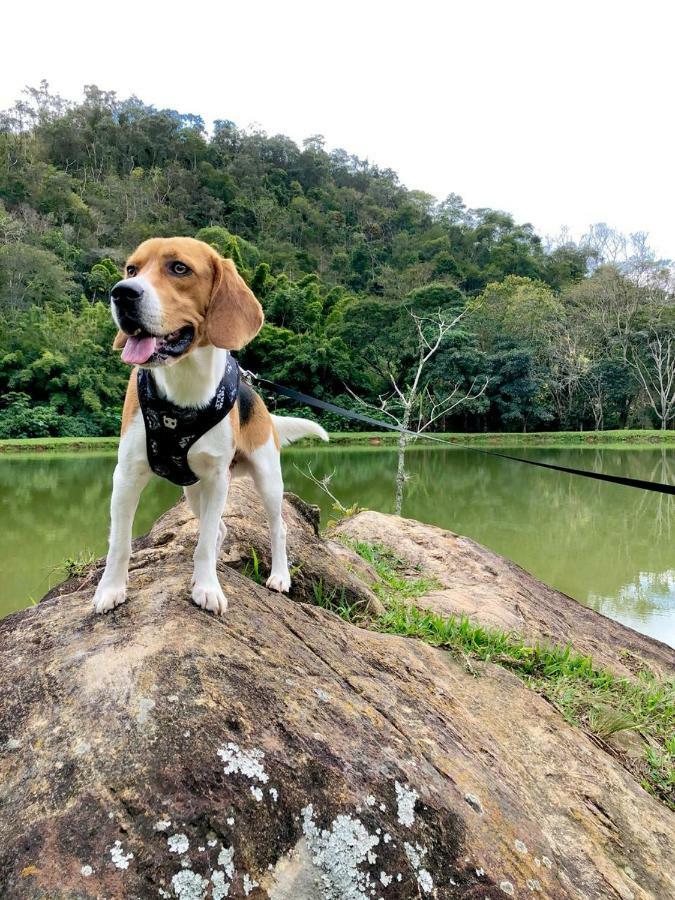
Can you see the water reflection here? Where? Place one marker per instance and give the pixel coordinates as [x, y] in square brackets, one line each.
[646, 601]
[609, 546]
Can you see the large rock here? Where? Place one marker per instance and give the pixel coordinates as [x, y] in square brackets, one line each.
[159, 751]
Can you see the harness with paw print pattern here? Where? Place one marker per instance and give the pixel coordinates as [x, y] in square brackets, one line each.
[171, 430]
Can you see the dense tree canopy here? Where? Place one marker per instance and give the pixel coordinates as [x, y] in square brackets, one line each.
[338, 251]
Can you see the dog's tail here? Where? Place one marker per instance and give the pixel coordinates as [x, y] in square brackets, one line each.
[291, 429]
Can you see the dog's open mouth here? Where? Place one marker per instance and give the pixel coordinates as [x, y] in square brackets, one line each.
[143, 348]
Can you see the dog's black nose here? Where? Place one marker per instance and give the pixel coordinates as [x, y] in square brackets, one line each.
[126, 293]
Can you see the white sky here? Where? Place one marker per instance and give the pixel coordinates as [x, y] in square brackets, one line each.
[558, 112]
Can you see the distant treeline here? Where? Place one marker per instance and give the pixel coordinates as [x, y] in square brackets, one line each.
[570, 334]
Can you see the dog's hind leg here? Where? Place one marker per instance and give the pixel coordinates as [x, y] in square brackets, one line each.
[266, 471]
[193, 495]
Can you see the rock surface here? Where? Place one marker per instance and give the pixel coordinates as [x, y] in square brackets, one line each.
[280, 752]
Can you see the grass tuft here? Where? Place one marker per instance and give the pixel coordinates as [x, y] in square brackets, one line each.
[74, 566]
[252, 568]
[335, 601]
[397, 580]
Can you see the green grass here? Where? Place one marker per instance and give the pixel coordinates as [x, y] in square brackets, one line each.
[634, 438]
[57, 444]
[589, 697]
[619, 438]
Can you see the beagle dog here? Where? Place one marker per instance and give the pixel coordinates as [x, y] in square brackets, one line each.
[180, 310]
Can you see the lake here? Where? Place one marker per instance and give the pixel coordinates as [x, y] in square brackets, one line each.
[610, 547]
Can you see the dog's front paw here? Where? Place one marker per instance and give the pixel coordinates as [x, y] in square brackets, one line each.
[209, 595]
[108, 596]
[280, 583]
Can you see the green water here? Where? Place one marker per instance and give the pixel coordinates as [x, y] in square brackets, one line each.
[610, 547]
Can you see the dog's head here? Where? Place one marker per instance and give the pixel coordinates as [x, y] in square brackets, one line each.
[179, 293]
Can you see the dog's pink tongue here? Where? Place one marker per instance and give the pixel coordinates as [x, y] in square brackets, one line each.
[138, 350]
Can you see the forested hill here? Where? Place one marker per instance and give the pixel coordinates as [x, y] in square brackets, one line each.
[338, 251]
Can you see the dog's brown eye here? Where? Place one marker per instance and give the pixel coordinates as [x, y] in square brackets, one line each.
[179, 268]
[131, 271]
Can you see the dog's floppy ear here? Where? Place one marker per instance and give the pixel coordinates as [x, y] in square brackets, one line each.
[234, 316]
[120, 340]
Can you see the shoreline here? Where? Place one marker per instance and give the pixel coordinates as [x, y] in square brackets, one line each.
[637, 439]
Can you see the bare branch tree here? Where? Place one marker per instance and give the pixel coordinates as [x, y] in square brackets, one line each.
[656, 373]
[566, 360]
[594, 389]
[416, 394]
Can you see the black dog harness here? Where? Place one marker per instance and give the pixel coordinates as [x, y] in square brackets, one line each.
[171, 430]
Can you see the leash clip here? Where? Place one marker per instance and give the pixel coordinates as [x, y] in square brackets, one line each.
[248, 376]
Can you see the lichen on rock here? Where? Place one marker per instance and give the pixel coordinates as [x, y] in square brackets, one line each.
[119, 857]
[247, 762]
[405, 802]
[339, 852]
[178, 843]
[188, 885]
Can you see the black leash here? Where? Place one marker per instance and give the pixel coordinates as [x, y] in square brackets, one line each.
[359, 417]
